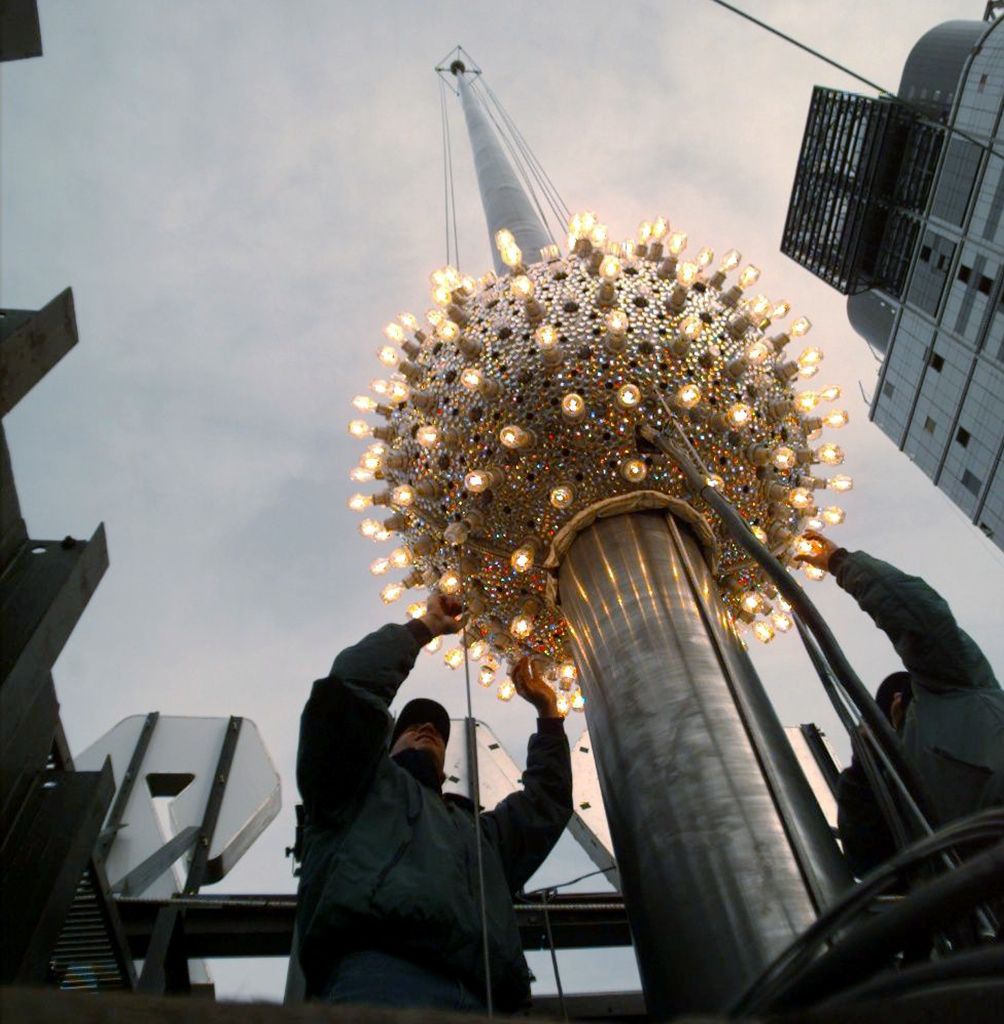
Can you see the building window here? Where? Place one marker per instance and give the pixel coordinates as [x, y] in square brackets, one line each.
[982, 84]
[972, 483]
[929, 425]
[937, 362]
[964, 273]
[985, 284]
[925, 253]
[888, 389]
[962, 437]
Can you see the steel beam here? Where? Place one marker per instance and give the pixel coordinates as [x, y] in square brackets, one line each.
[41, 863]
[31, 343]
[712, 887]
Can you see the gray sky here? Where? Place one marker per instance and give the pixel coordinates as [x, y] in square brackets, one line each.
[241, 194]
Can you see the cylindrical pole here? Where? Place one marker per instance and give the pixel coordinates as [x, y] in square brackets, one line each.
[505, 203]
[712, 886]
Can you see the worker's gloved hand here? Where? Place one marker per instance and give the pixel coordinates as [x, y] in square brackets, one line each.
[532, 686]
[820, 550]
[443, 614]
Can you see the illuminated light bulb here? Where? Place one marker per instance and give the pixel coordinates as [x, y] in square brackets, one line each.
[598, 236]
[546, 336]
[573, 406]
[449, 582]
[729, 261]
[360, 429]
[360, 475]
[610, 268]
[364, 403]
[562, 704]
[784, 457]
[810, 357]
[477, 650]
[358, 502]
[417, 609]
[813, 571]
[830, 394]
[677, 242]
[387, 355]
[403, 495]
[561, 496]
[521, 287]
[748, 277]
[830, 454]
[447, 330]
[750, 601]
[759, 533]
[477, 481]
[800, 327]
[617, 321]
[567, 673]
[813, 523]
[578, 701]
[382, 533]
[441, 295]
[400, 558]
[690, 327]
[704, 257]
[514, 436]
[781, 310]
[433, 645]
[522, 558]
[628, 396]
[688, 396]
[398, 391]
[644, 232]
[371, 462]
[512, 256]
[686, 273]
[804, 546]
[763, 631]
[379, 566]
[659, 228]
[506, 690]
[379, 387]
[715, 482]
[840, 483]
[781, 603]
[739, 414]
[486, 675]
[454, 657]
[837, 418]
[521, 627]
[394, 333]
[833, 514]
[800, 497]
[759, 308]
[427, 435]
[807, 371]
[391, 592]
[504, 237]
[634, 470]
[471, 378]
[782, 621]
[409, 321]
[435, 316]
[806, 401]
[758, 352]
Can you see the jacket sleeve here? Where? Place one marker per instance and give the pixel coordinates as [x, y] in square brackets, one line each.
[344, 725]
[525, 826]
[934, 650]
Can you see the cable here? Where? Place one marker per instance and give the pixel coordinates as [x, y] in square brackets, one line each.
[453, 196]
[917, 111]
[563, 885]
[446, 196]
[472, 759]
[554, 961]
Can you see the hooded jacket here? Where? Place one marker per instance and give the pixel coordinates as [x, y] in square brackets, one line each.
[953, 732]
[390, 863]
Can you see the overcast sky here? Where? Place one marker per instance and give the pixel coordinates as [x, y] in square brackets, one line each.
[242, 193]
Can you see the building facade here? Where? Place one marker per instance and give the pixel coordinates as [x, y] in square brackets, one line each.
[904, 216]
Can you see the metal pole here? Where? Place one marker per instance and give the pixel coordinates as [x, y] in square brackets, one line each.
[506, 204]
[712, 886]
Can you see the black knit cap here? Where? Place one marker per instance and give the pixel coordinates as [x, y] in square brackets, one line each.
[418, 712]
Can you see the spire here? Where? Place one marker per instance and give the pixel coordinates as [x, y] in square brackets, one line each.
[505, 202]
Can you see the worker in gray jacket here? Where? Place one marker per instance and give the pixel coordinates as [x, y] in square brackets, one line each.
[948, 708]
[389, 910]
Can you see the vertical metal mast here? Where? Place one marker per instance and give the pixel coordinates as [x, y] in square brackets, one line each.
[505, 203]
[723, 852]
